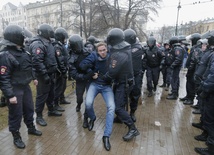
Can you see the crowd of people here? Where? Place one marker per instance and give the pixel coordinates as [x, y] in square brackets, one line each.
[113, 68]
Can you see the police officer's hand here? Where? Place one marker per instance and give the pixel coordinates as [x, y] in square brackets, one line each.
[95, 76]
[47, 79]
[13, 100]
[88, 75]
[86, 66]
[35, 82]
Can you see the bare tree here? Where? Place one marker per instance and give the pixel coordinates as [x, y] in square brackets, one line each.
[98, 16]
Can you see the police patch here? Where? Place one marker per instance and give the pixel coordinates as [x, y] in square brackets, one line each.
[58, 52]
[134, 50]
[177, 52]
[114, 62]
[38, 51]
[3, 69]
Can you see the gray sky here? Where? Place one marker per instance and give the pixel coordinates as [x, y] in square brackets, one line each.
[168, 12]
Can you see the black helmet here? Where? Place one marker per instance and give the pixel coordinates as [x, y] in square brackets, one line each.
[46, 31]
[130, 36]
[211, 38]
[14, 34]
[181, 38]
[151, 41]
[173, 40]
[166, 43]
[115, 36]
[61, 34]
[76, 43]
[194, 38]
[92, 40]
[27, 33]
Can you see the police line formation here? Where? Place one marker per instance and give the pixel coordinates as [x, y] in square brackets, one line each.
[113, 68]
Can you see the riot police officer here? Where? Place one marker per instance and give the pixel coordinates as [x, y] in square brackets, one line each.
[190, 64]
[152, 60]
[16, 74]
[121, 71]
[137, 53]
[90, 43]
[45, 66]
[207, 94]
[165, 65]
[178, 54]
[77, 54]
[61, 54]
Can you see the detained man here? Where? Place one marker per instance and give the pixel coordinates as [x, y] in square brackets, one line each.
[98, 62]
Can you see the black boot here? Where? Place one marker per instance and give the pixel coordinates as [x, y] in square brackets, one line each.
[91, 124]
[150, 94]
[58, 107]
[40, 120]
[188, 102]
[197, 111]
[78, 107]
[172, 97]
[202, 137]
[133, 116]
[63, 101]
[183, 98]
[17, 140]
[133, 132]
[106, 143]
[53, 112]
[32, 130]
[198, 125]
[163, 85]
[205, 151]
[85, 122]
[195, 106]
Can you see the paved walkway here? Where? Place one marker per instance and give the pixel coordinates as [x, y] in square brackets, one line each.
[165, 129]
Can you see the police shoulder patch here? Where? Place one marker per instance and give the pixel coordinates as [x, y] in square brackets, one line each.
[38, 51]
[58, 52]
[114, 63]
[177, 52]
[3, 70]
[134, 50]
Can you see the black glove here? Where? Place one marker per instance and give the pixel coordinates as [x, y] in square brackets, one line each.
[203, 94]
[47, 79]
[86, 66]
[88, 75]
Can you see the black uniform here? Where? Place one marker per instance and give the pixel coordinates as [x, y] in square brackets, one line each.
[191, 65]
[178, 54]
[61, 76]
[168, 60]
[152, 60]
[81, 77]
[137, 55]
[45, 66]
